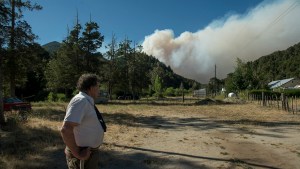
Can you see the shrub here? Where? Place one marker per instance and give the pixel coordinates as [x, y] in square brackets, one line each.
[287, 92]
[61, 97]
[169, 91]
[178, 91]
[56, 97]
[158, 95]
[292, 92]
[52, 97]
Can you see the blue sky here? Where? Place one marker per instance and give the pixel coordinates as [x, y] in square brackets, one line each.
[132, 18]
[190, 36]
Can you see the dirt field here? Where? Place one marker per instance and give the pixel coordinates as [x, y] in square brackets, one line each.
[217, 136]
[140, 136]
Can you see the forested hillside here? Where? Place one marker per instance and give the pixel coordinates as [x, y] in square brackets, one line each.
[278, 65]
[257, 74]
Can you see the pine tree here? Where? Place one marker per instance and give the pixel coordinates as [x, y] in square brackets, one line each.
[61, 72]
[77, 54]
[20, 37]
[142, 70]
[124, 53]
[4, 13]
[111, 55]
[90, 41]
[72, 45]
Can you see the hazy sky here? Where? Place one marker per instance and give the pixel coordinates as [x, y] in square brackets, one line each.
[189, 35]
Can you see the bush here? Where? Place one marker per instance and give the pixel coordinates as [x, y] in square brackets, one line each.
[169, 91]
[287, 92]
[54, 97]
[292, 92]
[61, 97]
[178, 92]
[158, 95]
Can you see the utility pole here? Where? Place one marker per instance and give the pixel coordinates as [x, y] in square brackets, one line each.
[215, 81]
[215, 71]
[182, 91]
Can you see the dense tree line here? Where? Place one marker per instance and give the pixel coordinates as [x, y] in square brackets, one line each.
[124, 69]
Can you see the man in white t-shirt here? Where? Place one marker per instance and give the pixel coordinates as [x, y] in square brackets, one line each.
[83, 129]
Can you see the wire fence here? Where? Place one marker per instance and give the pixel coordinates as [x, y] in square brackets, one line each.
[186, 100]
[282, 102]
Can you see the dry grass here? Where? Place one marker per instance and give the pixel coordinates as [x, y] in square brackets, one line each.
[34, 143]
[37, 142]
[230, 112]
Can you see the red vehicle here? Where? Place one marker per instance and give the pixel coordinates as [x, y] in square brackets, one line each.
[14, 103]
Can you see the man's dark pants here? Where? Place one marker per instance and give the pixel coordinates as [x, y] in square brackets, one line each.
[91, 163]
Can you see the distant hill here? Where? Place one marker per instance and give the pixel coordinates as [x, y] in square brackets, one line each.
[278, 65]
[52, 47]
[170, 78]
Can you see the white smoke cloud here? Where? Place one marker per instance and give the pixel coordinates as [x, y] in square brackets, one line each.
[267, 28]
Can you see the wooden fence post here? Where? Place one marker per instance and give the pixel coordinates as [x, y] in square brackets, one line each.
[287, 103]
[277, 102]
[296, 105]
[283, 106]
[263, 98]
[293, 104]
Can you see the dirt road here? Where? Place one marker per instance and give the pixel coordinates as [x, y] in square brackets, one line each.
[186, 137]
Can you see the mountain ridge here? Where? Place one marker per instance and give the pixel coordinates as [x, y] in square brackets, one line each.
[52, 47]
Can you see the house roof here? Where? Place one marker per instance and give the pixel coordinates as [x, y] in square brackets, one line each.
[278, 83]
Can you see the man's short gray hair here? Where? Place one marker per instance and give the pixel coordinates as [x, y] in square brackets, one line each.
[86, 81]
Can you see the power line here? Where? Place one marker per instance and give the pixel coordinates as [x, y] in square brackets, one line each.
[275, 21]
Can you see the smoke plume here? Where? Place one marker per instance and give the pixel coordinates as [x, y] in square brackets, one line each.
[269, 27]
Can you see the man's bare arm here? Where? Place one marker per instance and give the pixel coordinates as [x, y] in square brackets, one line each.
[67, 134]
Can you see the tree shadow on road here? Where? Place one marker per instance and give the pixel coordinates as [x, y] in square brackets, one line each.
[138, 158]
[197, 123]
[143, 158]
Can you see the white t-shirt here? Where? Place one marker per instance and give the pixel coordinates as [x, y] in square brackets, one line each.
[89, 132]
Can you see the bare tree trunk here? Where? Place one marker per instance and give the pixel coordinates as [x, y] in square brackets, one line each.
[2, 119]
[12, 85]
[293, 104]
[12, 48]
[296, 108]
[110, 89]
